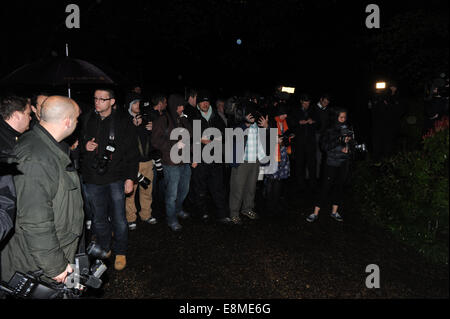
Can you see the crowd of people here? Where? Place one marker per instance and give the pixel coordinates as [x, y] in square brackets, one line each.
[65, 173]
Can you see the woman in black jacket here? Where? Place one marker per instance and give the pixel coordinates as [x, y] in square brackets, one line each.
[334, 144]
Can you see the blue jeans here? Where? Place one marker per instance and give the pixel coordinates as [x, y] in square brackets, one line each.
[109, 201]
[176, 181]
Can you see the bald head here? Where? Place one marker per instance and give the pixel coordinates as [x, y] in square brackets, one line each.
[57, 108]
[59, 116]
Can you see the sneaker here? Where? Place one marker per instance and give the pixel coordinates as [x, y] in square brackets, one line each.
[132, 226]
[175, 227]
[311, 218]
[225, 220]
[250, 214]
[236, 220]
[120, 262]
[151, 221]
[88, 224]
[183, 215]
[337, 217]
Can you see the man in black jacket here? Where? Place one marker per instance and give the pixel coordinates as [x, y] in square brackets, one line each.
[303, 121]
[208, 177]
[323, 119]
[15, 119]
[109, 169]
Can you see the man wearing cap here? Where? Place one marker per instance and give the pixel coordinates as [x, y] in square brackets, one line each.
[208, 177]
[145, 149]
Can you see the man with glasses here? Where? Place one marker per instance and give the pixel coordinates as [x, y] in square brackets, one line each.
[109, 170]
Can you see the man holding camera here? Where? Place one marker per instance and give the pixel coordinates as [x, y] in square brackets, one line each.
[109, 168]
[143, 124]
[49, 204]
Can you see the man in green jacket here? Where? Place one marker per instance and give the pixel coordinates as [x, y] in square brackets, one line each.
[49, 204]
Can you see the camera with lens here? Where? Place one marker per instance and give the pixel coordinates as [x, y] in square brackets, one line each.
[287, 138]
[100, 163]
[85, 274]
[143, 181]
[348, 132]
[146, 114]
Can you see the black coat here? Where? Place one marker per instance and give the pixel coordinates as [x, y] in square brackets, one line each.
[332, 146]
[304, 133]
[8, 136]
[124, 161]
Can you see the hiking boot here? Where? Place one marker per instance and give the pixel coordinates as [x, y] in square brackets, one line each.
[120, 262]
[250, 214]
[236, 220]
[175, 227]
[183, 215]
[312, 218]
[151, 221]
[337, 217]
[132, 225]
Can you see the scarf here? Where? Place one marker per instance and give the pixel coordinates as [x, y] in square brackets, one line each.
[206, 115]
[285, 128]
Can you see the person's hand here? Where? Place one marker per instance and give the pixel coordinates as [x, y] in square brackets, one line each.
[128, 186]
[61, 278]
[194, 165]
[280, 140]
[345, 150]
[149, 126]
[205, 140]
[310, 121]
[91, 145]
[250, 118]
[347, 139]
[180, 145]
[264, 121]
[303, 122]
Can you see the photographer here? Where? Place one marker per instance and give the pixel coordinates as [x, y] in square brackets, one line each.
[176, 175]
[143, 127]
[49, 204]
[335, 143]
[109, 168]
[273, 183]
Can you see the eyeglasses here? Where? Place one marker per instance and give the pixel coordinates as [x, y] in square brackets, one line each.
[100, 99]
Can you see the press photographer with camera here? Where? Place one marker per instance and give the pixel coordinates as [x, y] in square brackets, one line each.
[143, 126]
[49, 204]
[109, 155]
[273, 183]
[338, 143]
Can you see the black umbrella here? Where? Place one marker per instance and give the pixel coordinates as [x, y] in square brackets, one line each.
[58, 71]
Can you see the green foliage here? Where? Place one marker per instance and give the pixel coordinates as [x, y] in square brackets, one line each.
[409, 194]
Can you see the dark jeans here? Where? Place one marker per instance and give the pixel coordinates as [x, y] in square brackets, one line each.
[305, 158]
[333, 182]
[158, 196]
[176, 181]
[109, 201]
[208, 179]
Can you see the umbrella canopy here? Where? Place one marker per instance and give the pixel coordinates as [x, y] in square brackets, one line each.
[58, 71]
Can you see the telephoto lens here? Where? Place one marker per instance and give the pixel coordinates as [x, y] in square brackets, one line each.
[96, 251]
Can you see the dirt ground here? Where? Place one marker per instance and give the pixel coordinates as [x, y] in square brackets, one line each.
[281, 257]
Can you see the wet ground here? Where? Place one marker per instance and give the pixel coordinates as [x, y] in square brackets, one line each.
[274, 258]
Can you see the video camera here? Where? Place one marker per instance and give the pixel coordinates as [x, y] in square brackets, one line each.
[146, 113]
[84, 275]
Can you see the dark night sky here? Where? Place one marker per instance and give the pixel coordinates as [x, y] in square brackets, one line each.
[314, 45]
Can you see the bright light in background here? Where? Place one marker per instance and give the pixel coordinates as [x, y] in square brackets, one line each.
[288, 89]
[239, 41]
[380, 85]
